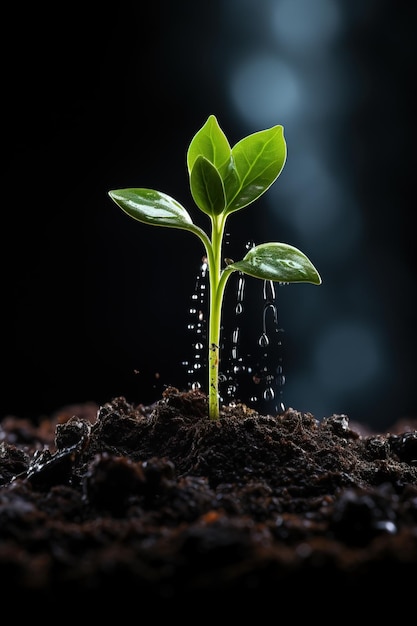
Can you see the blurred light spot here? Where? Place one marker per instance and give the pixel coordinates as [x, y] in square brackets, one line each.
[347, 356]
[302, 24]
[265, 91]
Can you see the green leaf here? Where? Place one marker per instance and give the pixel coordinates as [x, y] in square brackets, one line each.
[279, 262]
[211, 143]
[207, 187]
[258, 160]
[152, 207]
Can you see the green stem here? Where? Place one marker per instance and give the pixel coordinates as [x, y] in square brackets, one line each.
[218, 279]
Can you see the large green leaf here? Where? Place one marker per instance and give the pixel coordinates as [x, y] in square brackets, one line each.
[258, 160]
[210, 142]
[207, 187]
[279, 262]
[152, 207]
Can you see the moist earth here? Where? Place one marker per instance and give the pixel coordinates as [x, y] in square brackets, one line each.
[157, 505]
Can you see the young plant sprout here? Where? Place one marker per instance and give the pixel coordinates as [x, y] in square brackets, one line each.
[224, 180]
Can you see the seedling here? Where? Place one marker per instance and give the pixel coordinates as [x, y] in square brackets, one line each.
[224, 180]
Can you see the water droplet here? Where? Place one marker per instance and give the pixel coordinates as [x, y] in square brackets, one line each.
[269, 394]
[239, 308]
[240, 288]
[263, 341]
[272, 309]
[281, 380]
[269, 291]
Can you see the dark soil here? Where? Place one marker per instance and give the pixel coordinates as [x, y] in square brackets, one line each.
[157, 505]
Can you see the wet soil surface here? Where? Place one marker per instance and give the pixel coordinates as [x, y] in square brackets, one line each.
[154, 505]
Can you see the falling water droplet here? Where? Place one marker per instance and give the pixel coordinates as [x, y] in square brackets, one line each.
[269, 394]
[204, 266]
[231, 390]
[269, 291]
[240, 288]
[280, 376]
[263, 340]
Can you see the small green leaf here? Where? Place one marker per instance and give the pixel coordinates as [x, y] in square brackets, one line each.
[258, 160]
[210, 142]
[207, 187]
[279, 262]
[152, 207]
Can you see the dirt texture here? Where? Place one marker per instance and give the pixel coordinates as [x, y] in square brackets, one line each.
[154, 506]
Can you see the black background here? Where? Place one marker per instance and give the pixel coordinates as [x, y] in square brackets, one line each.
[94, 305]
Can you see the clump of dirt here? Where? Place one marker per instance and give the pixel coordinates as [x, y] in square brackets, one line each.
[162, 504]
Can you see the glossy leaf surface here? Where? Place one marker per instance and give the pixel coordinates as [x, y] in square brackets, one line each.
[207, 187]
[258, 160]
[151, 207]
[279, 262]
[211, 143]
